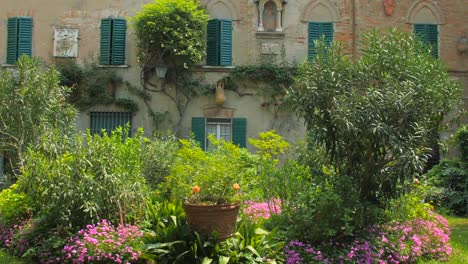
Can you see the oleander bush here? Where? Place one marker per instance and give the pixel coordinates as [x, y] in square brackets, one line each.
[98, 177]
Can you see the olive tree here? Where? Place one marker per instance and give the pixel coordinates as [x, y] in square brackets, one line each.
[375, 116]
[32, 106]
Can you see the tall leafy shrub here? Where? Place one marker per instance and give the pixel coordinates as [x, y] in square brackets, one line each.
[375, 116]
[97, 178]
[32, 104]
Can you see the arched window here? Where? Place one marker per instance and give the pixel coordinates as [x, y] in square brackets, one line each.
[426, 18]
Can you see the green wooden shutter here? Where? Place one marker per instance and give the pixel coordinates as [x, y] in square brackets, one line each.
[212, 43]
[119, 31]
[432, 39]
[316, 31]
[12, 40]
[106, 31]
[314, 34]
[327, 32]
[25, 25]
[198, 130]
[239, 132]
[429, 35]
[225, 42]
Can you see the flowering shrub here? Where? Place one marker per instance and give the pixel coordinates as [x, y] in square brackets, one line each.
[259, 211]
[13, 237]
[103, 243]
[389, 243]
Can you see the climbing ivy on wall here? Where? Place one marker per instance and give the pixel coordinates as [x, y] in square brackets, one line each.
[92, 85]
[271, 80]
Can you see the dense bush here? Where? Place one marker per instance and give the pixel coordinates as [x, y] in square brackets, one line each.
[155, 28]
[389, 243]
[32, 104]
[375, 116]
[158, 157]
[14, 205]
[97, 178]
[449, 179]
[461, 137]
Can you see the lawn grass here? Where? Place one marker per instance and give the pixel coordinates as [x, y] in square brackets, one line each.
[7, 259]
[458, 241]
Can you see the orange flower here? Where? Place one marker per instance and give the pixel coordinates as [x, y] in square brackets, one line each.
[196, 189]
[236, 186]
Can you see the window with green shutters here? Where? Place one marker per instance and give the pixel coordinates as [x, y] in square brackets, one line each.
[429, 35]
[109, 121]
[19, 38]
[229, 129]
[219, 42]
[113, 35]
[316, 31]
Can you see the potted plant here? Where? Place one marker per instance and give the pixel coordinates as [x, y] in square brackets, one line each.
[209, 184]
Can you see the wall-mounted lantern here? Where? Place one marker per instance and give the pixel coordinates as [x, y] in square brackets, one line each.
[161, 70]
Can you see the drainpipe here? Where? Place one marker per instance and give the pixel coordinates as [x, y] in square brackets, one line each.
[353, 22]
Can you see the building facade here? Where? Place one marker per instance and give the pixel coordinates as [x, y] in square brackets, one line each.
[244, 32]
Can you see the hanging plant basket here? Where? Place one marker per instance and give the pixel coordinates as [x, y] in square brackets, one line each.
[206, 219]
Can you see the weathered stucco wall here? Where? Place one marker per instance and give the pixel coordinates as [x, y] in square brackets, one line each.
[350, 17]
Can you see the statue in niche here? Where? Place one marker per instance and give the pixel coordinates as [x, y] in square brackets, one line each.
[269, 16]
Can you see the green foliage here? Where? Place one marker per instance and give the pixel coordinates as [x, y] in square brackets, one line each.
[170, 28]
[271, 178]
[32, 103]
[170, 241]
[316, 203]
[169, 236]
[96, 178]
[14, 205]
[158, 157]
[410, 206]
[214, 172]
[171, 33]
[450, 181]
[461, 137]
[92, 85]
[272, 80]
[269, 144]
[326, 208]
[375, 116]
[250, 244]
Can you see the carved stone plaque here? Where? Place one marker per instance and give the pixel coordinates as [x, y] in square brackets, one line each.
[66, 42]
[270, 48]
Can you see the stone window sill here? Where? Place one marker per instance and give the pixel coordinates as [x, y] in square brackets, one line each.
[269, 35]
[206, 68]
[124, 66]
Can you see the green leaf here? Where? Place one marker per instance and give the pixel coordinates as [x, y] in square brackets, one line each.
[223, 260]
[207, 260]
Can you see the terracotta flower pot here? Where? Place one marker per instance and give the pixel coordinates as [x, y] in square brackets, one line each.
[206, 219]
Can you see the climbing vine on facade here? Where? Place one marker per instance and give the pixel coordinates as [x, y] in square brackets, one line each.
[92, 85]
[159, 45]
